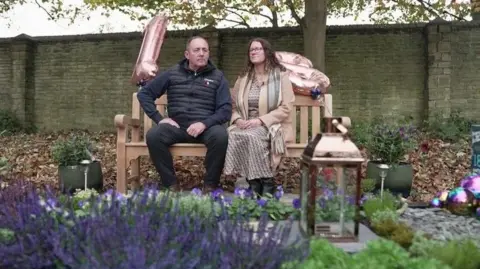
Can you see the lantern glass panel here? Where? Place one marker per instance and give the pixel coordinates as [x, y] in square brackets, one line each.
[336, 205]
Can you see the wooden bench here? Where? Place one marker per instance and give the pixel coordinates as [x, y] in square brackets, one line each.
[131, 144]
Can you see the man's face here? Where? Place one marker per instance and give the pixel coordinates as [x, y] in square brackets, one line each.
[197, 53]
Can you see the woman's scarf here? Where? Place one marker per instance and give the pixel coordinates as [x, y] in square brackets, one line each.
[274, 99]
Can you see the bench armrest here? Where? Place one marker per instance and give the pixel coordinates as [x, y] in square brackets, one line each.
[123, 121]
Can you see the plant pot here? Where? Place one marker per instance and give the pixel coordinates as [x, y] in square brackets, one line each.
[73, 177]
[398, 181]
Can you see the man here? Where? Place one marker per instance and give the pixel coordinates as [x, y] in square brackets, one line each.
[199, 105]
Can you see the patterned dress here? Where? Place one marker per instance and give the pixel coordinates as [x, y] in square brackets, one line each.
[248, 152]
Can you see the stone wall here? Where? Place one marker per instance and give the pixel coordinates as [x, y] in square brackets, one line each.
[82, 81]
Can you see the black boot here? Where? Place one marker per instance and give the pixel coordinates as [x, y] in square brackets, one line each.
[268, 185]
[255, 187]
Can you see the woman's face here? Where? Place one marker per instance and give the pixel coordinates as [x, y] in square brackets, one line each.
[256, 53]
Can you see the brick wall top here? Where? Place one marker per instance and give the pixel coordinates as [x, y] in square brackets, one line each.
[334, 29]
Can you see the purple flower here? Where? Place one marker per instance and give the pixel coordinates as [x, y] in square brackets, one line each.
[262, 202]
[196, 191]
[216, 194]
[227, 201]
[109, 192]
[363, 199]
[52, 202]
[340, 191]
[279, 193]
[328, 193]
[296, 203]
[322, 202]
[240, 192]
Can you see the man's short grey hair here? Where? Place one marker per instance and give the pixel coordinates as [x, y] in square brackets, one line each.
[193, 38]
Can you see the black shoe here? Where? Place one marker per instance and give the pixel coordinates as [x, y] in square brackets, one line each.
[255, 187]
[268, 186]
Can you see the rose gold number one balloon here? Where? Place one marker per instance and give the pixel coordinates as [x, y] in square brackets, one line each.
[146, 67]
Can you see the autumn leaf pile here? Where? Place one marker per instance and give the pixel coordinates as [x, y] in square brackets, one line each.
[437, 165]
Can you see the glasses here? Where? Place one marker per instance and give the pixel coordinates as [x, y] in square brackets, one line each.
[256, 49]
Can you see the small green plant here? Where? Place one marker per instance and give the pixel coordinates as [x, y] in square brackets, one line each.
[204, 206]
[457, 253]
[381, 216]
[390, 142]
[71, 151]
[9, 123]
[4, 166]
[450, 129]
[361, 131]
[368, 185]
[402, 235]
[6, 236]
[376, 204]
[379, 253]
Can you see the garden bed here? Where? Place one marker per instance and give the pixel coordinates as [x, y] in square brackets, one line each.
[437, 165]
[156, 229]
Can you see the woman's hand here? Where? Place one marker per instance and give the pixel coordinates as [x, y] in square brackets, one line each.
[240, 123]
[252, 123]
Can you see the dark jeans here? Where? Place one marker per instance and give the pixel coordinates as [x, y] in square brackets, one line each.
[160, 137]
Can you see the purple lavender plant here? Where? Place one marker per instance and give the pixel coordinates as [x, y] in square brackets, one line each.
[133, 233]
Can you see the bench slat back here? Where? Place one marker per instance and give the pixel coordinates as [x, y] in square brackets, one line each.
[306, 115]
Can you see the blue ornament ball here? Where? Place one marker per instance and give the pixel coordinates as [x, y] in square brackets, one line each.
[436, 202]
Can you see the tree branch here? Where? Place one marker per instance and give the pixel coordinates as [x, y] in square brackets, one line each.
[248, 11]
[44, 9]
[291, 6]
[429, 7]
[237, 22]
[240, 16]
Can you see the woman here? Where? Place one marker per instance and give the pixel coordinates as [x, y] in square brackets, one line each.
[260, 126]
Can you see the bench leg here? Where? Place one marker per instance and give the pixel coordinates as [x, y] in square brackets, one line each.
[135, 173]
[121, 169]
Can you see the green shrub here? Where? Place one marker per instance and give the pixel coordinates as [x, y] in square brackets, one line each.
[71, 151]
[449, 129]
[375, 204]
[379, 254]
[458, 254]
[368, 185]
[360, 133]
[385, 215]
[9, 123]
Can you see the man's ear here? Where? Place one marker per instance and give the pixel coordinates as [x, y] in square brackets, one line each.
[186, 54]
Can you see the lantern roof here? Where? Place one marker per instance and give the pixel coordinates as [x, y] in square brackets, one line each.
[333, 148]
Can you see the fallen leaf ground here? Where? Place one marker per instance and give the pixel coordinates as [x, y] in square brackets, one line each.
[437, 165]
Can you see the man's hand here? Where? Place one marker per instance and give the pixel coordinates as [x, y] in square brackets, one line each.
[169, 121]
[252, 123]
[196, 129]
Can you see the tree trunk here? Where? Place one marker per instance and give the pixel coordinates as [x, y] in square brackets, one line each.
[475, 10]
[314, 28]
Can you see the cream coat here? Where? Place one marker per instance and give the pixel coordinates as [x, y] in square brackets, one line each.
[280, 115]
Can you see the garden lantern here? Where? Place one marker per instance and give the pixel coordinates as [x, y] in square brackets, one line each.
[332, 149]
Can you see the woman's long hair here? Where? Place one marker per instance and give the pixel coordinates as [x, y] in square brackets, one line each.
[271, 61]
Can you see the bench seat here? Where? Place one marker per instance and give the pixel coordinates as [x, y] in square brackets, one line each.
[197, 150]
